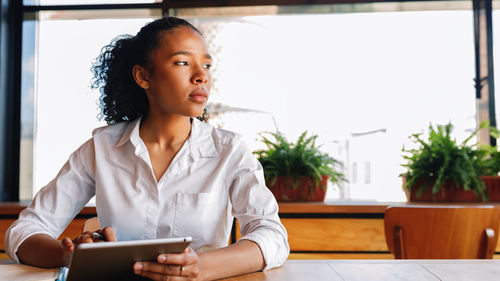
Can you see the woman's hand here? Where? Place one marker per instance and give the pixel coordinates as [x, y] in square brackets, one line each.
[184, 266]
[87, 237]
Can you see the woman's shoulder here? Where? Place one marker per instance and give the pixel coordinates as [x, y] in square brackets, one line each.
[112, 133]
[219, 141]
[110, 129]
[218, 135]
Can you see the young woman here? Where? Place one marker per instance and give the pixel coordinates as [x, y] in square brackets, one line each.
[158, 171]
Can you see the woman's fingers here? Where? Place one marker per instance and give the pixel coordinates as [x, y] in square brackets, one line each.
[86, 237]
[109, 233]
[164, 269]
[158, 271]
[173, 266]
[68, 248]
[68, 245]
[188, 257]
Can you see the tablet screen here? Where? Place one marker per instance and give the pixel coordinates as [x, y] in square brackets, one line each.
[114, 260]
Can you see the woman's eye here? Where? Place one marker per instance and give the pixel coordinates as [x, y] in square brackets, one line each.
[207, 66]
[182, 63]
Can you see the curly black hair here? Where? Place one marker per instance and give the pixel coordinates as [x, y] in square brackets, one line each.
[121, 98]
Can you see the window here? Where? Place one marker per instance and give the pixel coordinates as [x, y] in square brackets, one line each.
[362, 80]
[60, 113]
[363, 77]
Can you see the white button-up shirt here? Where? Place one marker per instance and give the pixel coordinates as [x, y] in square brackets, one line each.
[213, 177]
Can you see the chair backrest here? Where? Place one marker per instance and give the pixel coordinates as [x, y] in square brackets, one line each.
[91, 225]
[441, 232]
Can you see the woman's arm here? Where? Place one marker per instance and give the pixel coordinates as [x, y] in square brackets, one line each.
[44, 251]
[242, 257]
[53, 208]
[41, 250]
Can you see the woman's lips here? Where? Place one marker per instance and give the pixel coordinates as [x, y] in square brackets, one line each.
[199, 97]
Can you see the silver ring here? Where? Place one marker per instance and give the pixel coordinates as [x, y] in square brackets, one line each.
[96, 235]
[182, 268]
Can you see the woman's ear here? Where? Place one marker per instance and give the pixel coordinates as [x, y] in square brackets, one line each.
[141, 76]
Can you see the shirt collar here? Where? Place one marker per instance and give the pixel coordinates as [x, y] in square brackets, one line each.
[200, 141]
[132, 126]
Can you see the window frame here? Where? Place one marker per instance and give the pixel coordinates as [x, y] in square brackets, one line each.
[10, 63]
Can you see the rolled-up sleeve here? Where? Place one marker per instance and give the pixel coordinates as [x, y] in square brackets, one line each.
[56, 204]
[256, 209]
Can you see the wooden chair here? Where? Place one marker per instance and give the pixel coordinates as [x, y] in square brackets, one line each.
[91, 225]
[441, 232]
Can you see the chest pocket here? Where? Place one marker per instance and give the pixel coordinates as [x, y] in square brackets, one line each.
[198, 215]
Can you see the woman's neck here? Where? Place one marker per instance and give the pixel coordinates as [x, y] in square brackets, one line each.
[165, 131]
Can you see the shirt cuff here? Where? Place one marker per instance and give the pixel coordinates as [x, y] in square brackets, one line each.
[274, 252]
[16, 235]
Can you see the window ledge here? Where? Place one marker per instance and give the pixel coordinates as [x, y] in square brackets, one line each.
[327, 207]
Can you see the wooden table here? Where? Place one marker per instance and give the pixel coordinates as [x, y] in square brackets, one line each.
[349, 270]
[383, 270]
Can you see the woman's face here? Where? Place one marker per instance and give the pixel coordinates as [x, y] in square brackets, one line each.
[179, 81]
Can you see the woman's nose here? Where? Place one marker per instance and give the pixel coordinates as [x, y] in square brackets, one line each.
[200, 77]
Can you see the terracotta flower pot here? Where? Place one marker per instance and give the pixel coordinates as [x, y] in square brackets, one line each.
[493, 187]
[452, 193]
[306, 189]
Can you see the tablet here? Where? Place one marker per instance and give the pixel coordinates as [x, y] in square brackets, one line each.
[114, 260]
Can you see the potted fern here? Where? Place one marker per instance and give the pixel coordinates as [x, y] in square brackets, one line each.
[441, 169]
[298, 171]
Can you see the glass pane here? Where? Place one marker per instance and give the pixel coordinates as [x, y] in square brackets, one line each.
[363, 82]
[66, 108]
[27, 110]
